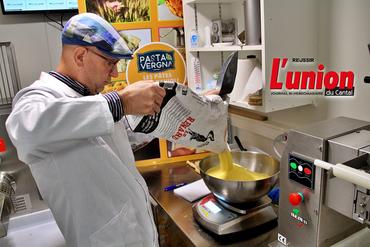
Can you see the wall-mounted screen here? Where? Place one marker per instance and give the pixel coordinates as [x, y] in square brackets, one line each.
[34, 6]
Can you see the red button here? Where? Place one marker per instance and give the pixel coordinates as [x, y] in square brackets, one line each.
[2, 145]
[307, 171]
[295, 198]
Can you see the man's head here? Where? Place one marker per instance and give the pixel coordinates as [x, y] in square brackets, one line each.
[91, 50]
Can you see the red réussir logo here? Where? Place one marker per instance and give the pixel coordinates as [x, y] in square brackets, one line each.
[309, 80]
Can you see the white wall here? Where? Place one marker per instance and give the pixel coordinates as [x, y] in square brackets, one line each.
[343, 33]
[296, 117]
[348, 38]
[36, 42]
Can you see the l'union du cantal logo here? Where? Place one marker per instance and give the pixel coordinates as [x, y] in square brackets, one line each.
[305, 77]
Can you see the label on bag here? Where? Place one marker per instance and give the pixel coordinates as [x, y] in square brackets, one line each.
[186, 118]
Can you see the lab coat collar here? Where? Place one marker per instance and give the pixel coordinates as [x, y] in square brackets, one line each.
[75, 85]
[55, 84]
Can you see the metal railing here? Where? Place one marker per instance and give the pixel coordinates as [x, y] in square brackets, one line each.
[7, 188]
[9, 86]
[9, 76]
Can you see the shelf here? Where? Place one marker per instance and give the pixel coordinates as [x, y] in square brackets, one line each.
[275, 22]
[247, 113]
[252, 47]
[247, 106]
[217, 48]
[212, 1]
[227, 48]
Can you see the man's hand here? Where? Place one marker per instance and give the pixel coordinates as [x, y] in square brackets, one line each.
[212, 96]
[212, 92]
[142, 98]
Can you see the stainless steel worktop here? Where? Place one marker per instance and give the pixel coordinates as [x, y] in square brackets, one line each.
[179, 211]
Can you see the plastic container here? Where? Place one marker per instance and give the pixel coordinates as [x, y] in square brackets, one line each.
[207, 36]
[194, 38]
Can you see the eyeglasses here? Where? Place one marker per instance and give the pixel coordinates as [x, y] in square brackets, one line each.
[110, 62]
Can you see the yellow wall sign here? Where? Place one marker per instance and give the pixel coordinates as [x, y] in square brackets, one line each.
[156, 61]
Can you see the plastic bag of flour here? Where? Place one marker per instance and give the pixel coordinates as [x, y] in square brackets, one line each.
[186, 118]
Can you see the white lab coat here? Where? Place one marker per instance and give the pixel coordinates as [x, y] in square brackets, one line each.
[83, 165]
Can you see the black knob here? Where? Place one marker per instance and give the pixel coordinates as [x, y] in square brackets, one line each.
[367, 79]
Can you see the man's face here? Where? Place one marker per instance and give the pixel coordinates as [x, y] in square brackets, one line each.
[99, 69]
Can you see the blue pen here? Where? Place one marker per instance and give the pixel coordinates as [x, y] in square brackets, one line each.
[172, 187]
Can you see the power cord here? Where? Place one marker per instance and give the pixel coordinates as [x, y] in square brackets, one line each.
[61, 20]
[55, 21]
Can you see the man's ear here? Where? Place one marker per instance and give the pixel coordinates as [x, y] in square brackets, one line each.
[79, 56]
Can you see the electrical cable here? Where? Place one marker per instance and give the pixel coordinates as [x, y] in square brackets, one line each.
[61, 20]
[167, 33]
[51, 19]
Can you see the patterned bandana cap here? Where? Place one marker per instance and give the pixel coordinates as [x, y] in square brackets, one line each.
[88, 29]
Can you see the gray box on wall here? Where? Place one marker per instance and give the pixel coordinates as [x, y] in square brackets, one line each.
[223, 31]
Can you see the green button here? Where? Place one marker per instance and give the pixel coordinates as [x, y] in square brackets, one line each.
[293, 165]
[296, 211]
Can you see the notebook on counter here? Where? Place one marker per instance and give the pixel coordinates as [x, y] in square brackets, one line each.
[193, 191]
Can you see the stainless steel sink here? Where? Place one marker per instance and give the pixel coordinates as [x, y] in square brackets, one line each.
[33, 230]
[23, 197]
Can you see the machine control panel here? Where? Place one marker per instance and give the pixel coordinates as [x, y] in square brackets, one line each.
[301, 171]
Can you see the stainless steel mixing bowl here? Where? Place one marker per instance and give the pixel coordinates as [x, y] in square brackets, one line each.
[242, 191]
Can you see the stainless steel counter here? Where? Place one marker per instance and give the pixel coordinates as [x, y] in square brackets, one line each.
[181, 228]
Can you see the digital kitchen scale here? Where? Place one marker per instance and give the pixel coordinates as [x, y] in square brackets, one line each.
[224, 218]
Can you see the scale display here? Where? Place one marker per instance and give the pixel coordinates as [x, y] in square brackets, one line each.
[212, 211]
[212, 207]
[212, 215]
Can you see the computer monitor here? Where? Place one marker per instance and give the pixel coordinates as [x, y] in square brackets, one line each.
[38, 6]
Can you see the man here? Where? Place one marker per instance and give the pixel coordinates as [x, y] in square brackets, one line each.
[77, 147]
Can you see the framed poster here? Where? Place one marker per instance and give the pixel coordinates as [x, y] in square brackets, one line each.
[170, 9]
[120, 11]
[142, 23]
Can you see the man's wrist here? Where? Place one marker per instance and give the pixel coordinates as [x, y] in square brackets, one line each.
[115, 105]
[123, 96]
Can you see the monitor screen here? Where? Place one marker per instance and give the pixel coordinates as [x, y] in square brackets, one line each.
[34, 6]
